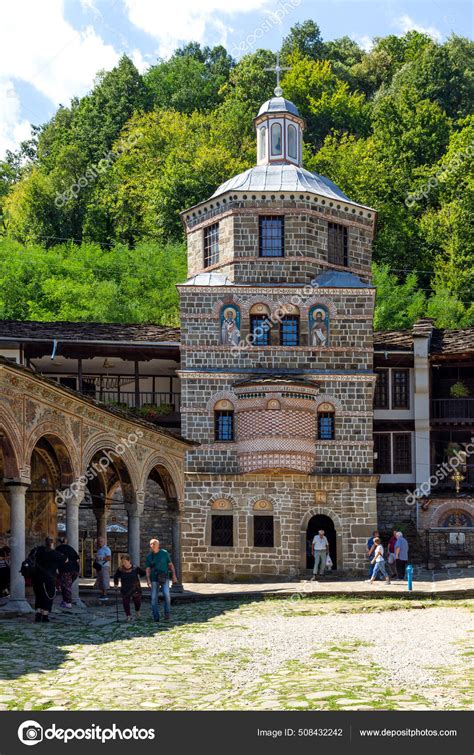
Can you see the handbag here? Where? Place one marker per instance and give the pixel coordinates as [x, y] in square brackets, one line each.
[328, 561]
[162, 577]
[97, 566]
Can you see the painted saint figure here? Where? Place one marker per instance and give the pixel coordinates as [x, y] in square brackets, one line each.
[319, 328]
[230, 332]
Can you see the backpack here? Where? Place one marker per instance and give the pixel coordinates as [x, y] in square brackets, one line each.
[28, 566]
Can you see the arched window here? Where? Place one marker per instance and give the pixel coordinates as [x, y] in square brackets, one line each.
[263, 143]
[224, 421]
[230, 325]
[222, 524]
[276, 139]
[318, 326]
[290, 330]
[263, 525]
[325, 422]
[292, 142]
[260, 325]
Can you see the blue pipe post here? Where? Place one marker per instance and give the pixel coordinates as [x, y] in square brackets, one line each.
[409, 571]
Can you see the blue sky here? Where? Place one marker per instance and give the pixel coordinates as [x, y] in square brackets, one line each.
[51, 50]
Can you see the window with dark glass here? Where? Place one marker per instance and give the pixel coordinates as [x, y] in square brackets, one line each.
[211, 244]
[382, 449]
[271, 236]
[401, 453]
[260, 330]
[400, 389]
[337, 244]
[292, 142]
[263, 531]
[325, 425]
[276, 139]
[222, 530]
[290, 330]
[224, 424]
[381, 390]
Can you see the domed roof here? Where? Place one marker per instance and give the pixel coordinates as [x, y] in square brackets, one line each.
[282, 178]
[278, 105]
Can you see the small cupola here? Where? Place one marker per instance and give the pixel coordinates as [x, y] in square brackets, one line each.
[279, 128]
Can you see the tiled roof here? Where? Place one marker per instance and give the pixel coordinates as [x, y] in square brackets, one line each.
[452, 341]
[86, 331]
[122, 413]
[393, 340]
[443, 341]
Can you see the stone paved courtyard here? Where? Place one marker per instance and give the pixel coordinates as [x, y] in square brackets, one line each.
[324, 654]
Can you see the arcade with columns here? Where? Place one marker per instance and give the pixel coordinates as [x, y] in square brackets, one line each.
[66, 460]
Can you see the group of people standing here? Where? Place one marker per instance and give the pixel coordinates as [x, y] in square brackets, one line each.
[397, 558]
[48, 568]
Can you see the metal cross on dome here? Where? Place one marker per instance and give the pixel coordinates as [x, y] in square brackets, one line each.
[278, 69]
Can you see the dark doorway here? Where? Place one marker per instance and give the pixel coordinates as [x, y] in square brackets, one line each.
[316, 523]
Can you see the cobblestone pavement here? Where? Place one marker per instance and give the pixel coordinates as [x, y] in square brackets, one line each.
[312, 653]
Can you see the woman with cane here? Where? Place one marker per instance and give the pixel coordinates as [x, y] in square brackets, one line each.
[130, 587]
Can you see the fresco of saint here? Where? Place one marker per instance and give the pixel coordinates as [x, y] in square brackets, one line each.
[230, 331]
[319, 330]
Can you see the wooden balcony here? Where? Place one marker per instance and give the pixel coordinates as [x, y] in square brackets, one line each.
[452, 410]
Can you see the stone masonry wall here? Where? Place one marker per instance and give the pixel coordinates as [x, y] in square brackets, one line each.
[349, 501]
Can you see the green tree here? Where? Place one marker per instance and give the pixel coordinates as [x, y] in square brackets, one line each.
[305, 40]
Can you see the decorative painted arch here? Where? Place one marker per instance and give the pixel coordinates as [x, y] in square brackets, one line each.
[10, 446]
[247, 305]
[231, 301]
[220, 396]
[325, 398]
[316, 301]
[108, 443]
[173, 480]
[62, 445]
[439, 513]
[267, 498]
[214, 499]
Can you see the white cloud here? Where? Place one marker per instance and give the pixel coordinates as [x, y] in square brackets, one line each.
[364, 41]
[171, 24]
[13, 128]
[139, 61]
[43, 49]
[405, 23]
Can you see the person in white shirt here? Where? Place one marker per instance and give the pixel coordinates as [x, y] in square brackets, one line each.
[379, 563]
[319, 549]
[103, 558]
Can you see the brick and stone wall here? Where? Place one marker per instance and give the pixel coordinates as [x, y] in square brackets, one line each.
[349, 501]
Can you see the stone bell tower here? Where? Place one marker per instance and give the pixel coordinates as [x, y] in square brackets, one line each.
[276, 370]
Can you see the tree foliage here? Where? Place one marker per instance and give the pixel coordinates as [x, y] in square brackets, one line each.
[90, 204]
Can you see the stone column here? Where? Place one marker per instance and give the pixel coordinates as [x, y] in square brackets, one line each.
[176, 550]
[101, 518]
[134, 535]
[17, 601]
[72, 532]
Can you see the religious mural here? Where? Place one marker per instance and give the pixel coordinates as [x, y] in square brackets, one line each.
[230, 326]
[319, 326]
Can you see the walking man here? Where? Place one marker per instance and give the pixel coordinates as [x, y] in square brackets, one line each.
[319, 549]
[158, 566]
[401, 555]
[103, 558]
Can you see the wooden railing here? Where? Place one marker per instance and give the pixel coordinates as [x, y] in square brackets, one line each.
[452, 409]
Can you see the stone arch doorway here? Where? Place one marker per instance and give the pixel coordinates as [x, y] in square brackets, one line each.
[316, 523]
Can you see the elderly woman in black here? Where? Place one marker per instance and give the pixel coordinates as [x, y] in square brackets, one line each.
[47, 562]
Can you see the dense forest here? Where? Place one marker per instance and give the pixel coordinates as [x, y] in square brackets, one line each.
[89, 206]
